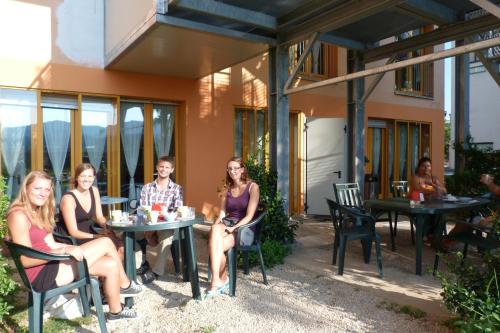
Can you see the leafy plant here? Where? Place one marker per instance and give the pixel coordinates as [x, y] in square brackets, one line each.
[8, 287]
[472, 292]
[478, 160]
[277, 225]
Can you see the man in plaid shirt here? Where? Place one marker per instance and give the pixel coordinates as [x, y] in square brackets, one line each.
[165, 192]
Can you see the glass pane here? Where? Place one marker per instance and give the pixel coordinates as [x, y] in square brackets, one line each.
[57, 148]
[163, 130]
[132, 153]
[15, 136]
[414, 145]
[251, 133]
[261, 135]
[402, 151]
[425, 146]
[97, 116]
[238, 133]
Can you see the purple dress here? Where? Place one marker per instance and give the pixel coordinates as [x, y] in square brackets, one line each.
[236, 207]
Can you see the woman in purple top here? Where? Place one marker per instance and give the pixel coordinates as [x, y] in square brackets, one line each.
[240, 199]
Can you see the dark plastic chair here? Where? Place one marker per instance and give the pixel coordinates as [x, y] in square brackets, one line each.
[349, 195]
[232, 254]
[400, 190]
[350, 223]
[36, 299]
[482, 237]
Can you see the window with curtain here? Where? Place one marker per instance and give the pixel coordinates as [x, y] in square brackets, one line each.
[97, 117]
[413, 141]
[164, 130]
[132, 144]
[250, 133]
[58, 114]
[16, 111]
[416, 80]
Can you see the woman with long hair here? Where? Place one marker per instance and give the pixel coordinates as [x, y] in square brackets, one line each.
[239, 202]
[30, 220]
[80, 208]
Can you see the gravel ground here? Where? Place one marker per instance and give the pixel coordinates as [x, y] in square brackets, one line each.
[294, 301]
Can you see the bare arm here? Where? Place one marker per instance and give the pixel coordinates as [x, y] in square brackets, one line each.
[492, 187]
[19, 226]
[438, 186]
[68, 206]
[222, 212]
[99, 217]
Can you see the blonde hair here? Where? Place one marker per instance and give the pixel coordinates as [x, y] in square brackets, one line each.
[43, 216]
[244, 175]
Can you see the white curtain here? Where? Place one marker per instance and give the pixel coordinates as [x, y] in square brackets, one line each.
[57, 135]
[391, 154]
[415, 146]
[16, 109]
[95, 141]
[403, 140]
[163, 128]
[12, 147]
[131, 134]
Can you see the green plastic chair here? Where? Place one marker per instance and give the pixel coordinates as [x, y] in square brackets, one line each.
[255, 247]
[350, 223]
[349, 195]
[36, 299]
[400, 190]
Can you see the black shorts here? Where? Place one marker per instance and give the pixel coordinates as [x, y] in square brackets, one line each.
[46, 279]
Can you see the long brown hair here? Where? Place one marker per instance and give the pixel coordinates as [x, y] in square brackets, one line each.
[79, 169]
[43, 216]
[244, 175]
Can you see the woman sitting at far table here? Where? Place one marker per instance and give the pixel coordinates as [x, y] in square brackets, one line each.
[240, 199]
[30, 220]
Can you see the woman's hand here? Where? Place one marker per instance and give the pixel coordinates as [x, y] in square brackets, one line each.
[230, 230]
[74, 251]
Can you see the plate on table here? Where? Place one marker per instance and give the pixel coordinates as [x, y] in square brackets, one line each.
[464, 199]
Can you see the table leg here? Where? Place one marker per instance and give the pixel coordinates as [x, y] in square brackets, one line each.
[192, 262]
[129, 239]
[184, 254]
[419, 239]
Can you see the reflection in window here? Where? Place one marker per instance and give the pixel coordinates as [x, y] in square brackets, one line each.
[131, 133]
[15, 135]
[250, 133]
[97, 116]
[57, 114]
[163, 130]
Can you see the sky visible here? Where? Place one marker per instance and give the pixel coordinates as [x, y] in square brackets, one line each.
[447, 83]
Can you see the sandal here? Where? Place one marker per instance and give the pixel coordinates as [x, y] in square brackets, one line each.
[217, 291]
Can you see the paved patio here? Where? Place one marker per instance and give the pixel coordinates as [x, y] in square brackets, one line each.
[304, 295]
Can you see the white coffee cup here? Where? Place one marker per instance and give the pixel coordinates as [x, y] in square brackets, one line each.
[170, 217]
[116, 215]
[154, 216]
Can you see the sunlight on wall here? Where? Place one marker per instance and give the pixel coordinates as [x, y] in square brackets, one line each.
[29, 31]
[254, 90]
[211, 87]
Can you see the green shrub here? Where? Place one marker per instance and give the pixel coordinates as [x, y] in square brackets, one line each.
[277, 225]
[472, 292]
[274, 253]
[478, 161]
[8, 287]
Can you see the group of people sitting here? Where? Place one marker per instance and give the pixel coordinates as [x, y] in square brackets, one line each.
[31, 222]
[423, 182]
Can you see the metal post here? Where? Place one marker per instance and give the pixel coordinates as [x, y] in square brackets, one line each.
[462, 91]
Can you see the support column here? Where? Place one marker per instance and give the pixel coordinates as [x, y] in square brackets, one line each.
[462, 93]
[355, 122]
[279, 120]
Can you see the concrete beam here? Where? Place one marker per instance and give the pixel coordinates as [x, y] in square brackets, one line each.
[233, 13]
[334, 18]
[429, 10]
[488, 6]
[401, 64]
[341, 41]
[451, 32]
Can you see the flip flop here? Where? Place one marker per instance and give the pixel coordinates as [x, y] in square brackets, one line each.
[218, 291]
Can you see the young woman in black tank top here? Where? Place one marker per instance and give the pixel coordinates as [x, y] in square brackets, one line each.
[81, 208]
